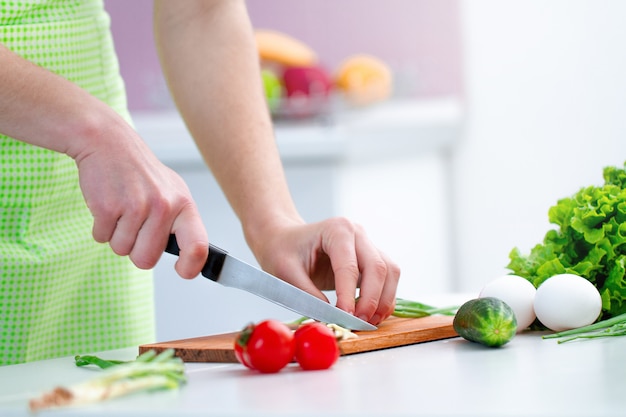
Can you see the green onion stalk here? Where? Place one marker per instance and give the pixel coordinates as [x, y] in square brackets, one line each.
[406, 309]
[149, 371]
[615, 326]
[414, 309]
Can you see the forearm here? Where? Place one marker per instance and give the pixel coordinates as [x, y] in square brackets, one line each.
[209, 58]
[46, 110]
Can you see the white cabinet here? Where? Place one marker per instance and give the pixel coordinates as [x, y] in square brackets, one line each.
[385, 167]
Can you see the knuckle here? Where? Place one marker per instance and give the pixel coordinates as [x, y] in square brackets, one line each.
[163, 207]
[370, 305]
[103, 212]
[386, 307]
[358, 228]
[198, 250]
[160, 209]
[394, 270]
[342, 223]
[138, 207]
[379, 268]
[350, 269]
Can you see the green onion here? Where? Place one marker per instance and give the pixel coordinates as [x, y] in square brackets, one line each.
[150, 371]
[94, 360]
[414, 309]
[614, 326]
[406, 309]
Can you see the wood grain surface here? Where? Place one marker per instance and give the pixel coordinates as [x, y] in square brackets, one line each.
[392, 332]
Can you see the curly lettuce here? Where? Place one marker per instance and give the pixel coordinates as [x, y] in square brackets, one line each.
[590, 241]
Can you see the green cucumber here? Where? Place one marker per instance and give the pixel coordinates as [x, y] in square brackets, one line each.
[488, 321]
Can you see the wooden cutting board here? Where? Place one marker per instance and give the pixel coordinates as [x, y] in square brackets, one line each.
[391, 333]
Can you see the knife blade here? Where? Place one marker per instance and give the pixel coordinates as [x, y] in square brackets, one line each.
[229, 271]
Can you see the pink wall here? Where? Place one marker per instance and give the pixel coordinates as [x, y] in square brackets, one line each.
[419, 39]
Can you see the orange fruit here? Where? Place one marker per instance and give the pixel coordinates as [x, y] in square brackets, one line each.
[364, 79]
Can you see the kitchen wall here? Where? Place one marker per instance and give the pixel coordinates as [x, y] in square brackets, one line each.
[400, 197]
[545, 112]
[419, 39]
[543, 86]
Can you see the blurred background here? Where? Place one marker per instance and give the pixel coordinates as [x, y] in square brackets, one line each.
[498, 109]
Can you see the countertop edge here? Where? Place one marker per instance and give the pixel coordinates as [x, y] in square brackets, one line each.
[393, 129]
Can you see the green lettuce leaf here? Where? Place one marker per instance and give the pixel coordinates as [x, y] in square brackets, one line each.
[589, 240]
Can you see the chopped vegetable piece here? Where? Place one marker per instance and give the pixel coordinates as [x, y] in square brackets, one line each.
[148, 372]
[341, 333]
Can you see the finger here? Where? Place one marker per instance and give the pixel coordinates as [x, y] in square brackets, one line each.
[346, 270]
[373, 275]
[103, 229]
[387, 299]
[150, 241]
[298, 277]
[125, 234]
[193, 242]
[103, 224]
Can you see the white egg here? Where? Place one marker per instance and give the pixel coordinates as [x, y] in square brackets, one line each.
[567, 301]
[518, 293]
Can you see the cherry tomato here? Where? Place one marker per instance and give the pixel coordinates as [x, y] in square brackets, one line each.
[240, 347]
[267, 346]
[316, 346]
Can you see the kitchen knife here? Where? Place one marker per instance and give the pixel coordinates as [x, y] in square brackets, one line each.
[232, 272]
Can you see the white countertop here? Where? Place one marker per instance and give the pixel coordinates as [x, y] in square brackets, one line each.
[528, 377]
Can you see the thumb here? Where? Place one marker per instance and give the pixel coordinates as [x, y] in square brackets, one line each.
[193, 243]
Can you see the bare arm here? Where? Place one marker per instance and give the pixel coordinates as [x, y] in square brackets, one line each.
[41, 108]
[135, 200]
[210, 60]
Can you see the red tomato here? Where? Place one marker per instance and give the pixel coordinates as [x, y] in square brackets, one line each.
[240, 346]
[316, 346]
[267, 346]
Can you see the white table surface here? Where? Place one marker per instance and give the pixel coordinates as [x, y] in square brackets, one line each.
[530, 376]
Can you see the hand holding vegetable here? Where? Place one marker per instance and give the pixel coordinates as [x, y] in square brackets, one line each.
[332, 254]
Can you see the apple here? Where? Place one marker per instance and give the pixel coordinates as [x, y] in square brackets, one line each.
[311, 81]
[307, 89]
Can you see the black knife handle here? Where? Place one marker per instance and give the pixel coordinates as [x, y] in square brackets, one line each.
[214, 263]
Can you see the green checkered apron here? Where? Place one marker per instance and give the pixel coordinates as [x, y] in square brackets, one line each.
[61, 293]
